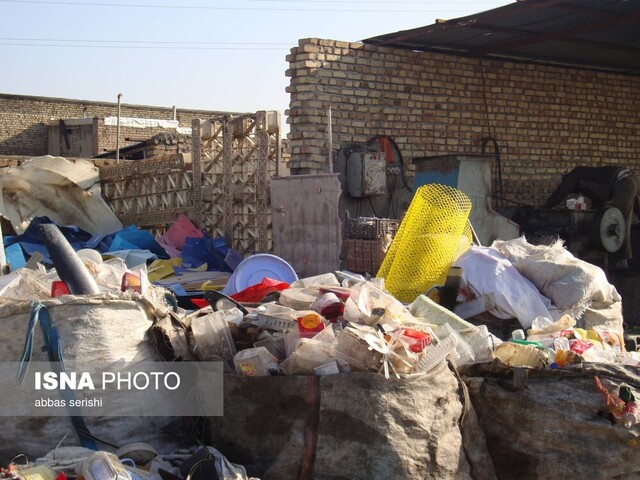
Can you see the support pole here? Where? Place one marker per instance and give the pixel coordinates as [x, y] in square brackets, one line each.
[118, 131]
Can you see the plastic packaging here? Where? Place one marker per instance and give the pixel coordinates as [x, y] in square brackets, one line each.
[274, 344]
[326, 279]
[482, 343]
[352, 348]
[518, 334]
[40, 472]
[308, 355]
[434, 355]
[212, 336]
[298, 298]
[463, 349]
[255, 362]
[106, 466]
[517, 355]
[329, 368]
[328, 305]
[310, 325]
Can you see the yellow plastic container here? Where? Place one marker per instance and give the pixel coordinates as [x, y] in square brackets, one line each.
[433, 233]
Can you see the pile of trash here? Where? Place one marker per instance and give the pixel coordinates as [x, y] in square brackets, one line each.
[321, 326]
[188, 297]
[131, 462]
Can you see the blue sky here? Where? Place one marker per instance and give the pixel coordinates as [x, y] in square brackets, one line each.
[215, 55]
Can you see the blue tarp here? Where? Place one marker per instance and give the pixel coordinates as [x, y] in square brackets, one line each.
[129, 238]
[196, 251]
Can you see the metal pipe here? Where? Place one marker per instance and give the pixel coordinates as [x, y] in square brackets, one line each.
[118, 131]
[330, 133]
[174, 113]
[69, 266]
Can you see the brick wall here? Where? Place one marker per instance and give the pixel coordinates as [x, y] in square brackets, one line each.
[546, 119]
[24, 119]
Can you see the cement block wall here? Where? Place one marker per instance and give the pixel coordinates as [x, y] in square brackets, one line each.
[546, 119]
[24, 120]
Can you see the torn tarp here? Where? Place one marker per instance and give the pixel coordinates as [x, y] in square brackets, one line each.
[66, 191]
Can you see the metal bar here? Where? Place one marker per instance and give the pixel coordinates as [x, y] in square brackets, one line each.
[227, 181]
[262, 181]
[330, 134]
[118, 131]
[196, 170]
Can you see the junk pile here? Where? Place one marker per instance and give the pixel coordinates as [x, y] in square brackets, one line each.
[136, 461]
[335, 375]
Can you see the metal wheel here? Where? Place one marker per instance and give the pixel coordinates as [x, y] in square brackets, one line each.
[610, 229]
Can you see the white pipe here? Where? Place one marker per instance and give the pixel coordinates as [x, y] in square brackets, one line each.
[118, 131]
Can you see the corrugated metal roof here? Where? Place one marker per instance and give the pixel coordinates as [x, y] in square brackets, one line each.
[601, 34]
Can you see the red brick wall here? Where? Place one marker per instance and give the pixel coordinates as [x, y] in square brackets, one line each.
[545, 118]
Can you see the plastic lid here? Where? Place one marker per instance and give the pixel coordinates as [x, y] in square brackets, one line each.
[252, 270]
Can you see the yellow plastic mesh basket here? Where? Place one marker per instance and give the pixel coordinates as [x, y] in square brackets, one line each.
[433, 233]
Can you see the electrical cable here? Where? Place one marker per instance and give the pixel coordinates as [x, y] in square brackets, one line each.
[154, 42]
[204, 7]
[497, 168]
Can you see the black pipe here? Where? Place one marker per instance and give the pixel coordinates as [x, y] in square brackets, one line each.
[68, 264]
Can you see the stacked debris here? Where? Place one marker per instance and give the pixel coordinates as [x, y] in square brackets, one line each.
[167, 143]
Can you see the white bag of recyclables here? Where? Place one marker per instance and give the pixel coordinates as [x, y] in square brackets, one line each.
[487, 271]
[571, 284]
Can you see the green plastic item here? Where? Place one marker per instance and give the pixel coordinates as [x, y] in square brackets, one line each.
[525, 342]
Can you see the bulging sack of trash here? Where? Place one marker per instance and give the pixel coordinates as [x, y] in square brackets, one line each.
[355, 425]
[100, 331]
[571, 284]
[557, 424]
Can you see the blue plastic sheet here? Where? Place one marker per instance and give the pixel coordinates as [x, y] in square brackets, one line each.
[15, 256]
[129, 238]
[211, 251]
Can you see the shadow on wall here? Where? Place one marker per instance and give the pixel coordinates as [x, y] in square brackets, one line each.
[32, 141]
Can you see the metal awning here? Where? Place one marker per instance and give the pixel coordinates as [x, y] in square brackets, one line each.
[599, 34]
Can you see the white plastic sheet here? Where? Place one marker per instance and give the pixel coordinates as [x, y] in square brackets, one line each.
[486, 271]
[67, 192]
